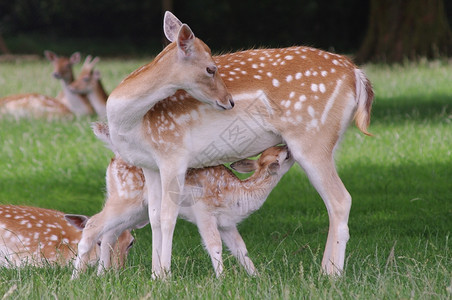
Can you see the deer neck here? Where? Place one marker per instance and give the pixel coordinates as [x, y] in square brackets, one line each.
[98, 99]
[255, 190]
[140, 91]
[77, 104]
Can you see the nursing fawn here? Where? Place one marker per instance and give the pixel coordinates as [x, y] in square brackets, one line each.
[213, 198]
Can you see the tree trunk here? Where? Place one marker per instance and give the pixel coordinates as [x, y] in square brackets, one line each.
[410, 29]
[3, 48]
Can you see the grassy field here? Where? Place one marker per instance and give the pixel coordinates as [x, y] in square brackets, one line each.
[400, 222]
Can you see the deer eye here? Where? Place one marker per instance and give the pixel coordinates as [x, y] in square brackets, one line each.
[131, 244]
[211, 70]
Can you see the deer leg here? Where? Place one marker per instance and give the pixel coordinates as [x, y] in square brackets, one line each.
[322, 173]
[207, 227]
[236, 245]
[154, 194]
[172, 187]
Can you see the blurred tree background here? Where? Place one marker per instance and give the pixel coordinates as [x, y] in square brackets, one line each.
[132, 27]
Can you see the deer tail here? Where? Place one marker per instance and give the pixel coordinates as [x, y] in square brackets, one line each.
[364, 98]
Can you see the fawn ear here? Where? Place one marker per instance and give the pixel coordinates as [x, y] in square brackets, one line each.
[245, 165]
[273, 168]
[102, 132]
[75, 58]
[171, 26]
[78, 221]
[51, 56]
[185, 40]
[141, 225]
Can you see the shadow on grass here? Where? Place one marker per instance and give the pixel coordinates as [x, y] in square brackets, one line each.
[420, 108]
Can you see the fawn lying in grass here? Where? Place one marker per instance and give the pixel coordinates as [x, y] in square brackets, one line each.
[37, 236]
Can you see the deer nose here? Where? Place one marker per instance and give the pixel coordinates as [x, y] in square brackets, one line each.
[231, 102]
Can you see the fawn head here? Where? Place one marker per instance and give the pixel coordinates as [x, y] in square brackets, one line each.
[88, 78]
[62, 66]
[276, 160]
[120, 249]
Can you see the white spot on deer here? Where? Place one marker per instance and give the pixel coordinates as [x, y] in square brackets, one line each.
[29, 225]
[314, 73]
[335, 62]
[231, 79]
[258, 77]
[244, 72]
[287, 104]
[298, 75]
[66, 241]
[250, 59]
[322, 88]
[292, 94]
[232, 73]
[254, 66]
[314, 87]
[313, 124]
[242, 63]
[227, 66]
[333, 70]
[289, 78]
[36, 235]
[324, 73]
[262, 65]
[269, 74]
[326, 56]
[288, 113]
[275, 82]
[302, 98]
[289, 57]
[299, 119]
[262, 58]
[8, 216]
[297, 105]
[311, 111]
[307, 73]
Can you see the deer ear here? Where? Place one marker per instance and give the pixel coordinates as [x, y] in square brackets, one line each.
[171, 26]
[273, 168]
[75, 58]
[78, 221]
[141, 225]
[185, 40]
[51, 56]
[244, 165]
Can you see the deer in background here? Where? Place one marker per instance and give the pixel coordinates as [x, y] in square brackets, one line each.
[300, 96]
[88, 83]
[66, 104]
[78, 104]
[37, 236]
[213, 198]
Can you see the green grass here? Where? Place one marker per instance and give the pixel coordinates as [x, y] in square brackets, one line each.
[400, 222]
